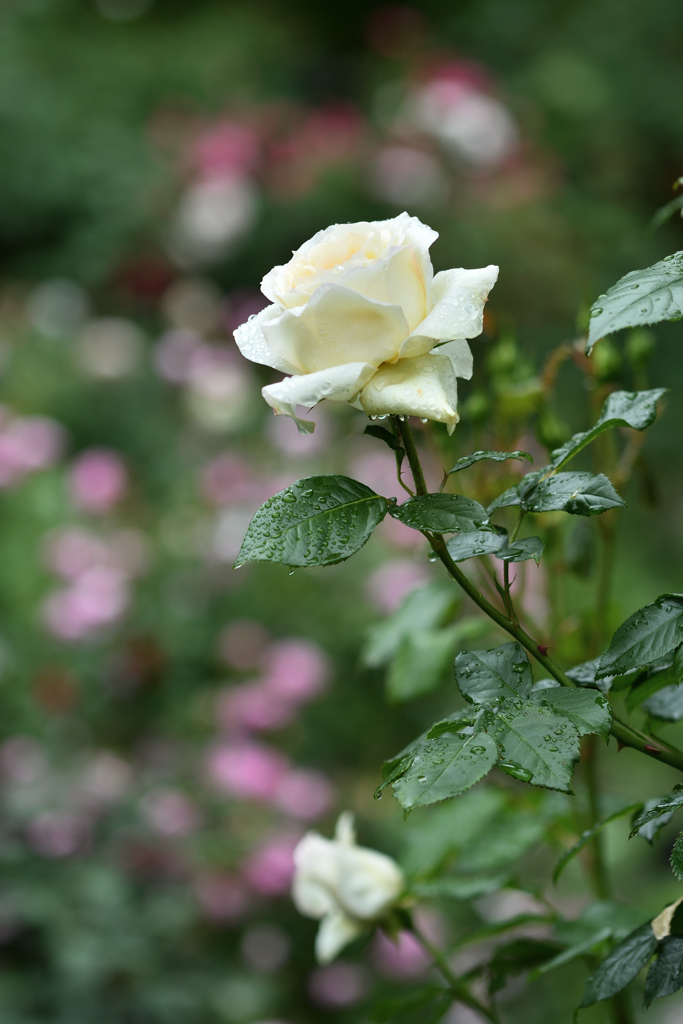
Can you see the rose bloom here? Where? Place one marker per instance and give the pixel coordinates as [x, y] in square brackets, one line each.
[343, 885]
[358, 316]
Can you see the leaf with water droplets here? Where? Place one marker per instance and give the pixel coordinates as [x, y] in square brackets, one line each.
[646, 636]
[635, 409]
[443, 767]
[533, 737]
[469, 460]
[488, 676]
[443, 513]
[658, 296]
[666, 973]
[587, 710]
[317, 521]
[579, 494]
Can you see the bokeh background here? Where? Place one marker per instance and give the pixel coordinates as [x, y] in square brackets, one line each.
[169, 728]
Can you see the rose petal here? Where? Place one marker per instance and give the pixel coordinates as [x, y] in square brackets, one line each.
[425, 387]
[458, 298]
[338, 326]
[339, 383]
[335, 931]
[460, 355]
[252, 343]
[368, 882]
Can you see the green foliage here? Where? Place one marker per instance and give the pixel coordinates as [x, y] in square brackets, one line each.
[663, 805]
[649, 634]
[426, 1006]
[639, 298]
[579, 494]
[677, 858]
[443, 513]
[469, 460]
[620, 966]
[317, 521]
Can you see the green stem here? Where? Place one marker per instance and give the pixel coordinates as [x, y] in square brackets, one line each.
[598, 867]
[625, 734]
[456, 985]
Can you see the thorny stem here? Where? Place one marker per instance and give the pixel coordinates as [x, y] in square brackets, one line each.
[625, 734]
[459, 989]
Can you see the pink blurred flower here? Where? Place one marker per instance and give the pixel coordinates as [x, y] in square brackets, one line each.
[252, 706]
[22, 759]
[97, 598]
[304, 794]
[404, 958]
[270, 868]
[295, 669]
[27, 444]
[226, 479]
[265, 947]
[57, 833]
[241, 643]
[225, 148]
[398, 534]
[171, 812]
[338, 985]
[223, 897]
[393, 581]
[106, 778]
[72, 550]
[246, 770]
[98, 479]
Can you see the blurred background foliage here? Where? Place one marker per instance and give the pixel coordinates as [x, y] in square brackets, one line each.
[169, 728]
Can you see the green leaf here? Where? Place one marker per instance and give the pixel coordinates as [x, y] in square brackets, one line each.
[620, 966]
[588, 712]
[443, 513]
[584, 675]
[579, 494]
[647, 635]
[493, 928]
[486, 542]
[536, 745]
[653, 826]
[493, 675]
[671, 802]
[666, 973]
[443, 767]
[506, 499]
[434, 836]
[522, 550]
[382, 434]
[425, 608]
[619, 918]
[677, 858]
[317, 521]
[642, 297]
[469, 460]
[479, 542]
[663, 214]
[666, 704]
[586, 837]
[422, 662]
[635, 409]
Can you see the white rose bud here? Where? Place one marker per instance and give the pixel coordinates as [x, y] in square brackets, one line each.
[358, 316]
[343, 885]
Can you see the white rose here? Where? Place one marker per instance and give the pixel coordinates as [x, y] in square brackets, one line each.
[356, 314]
[343, 885]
